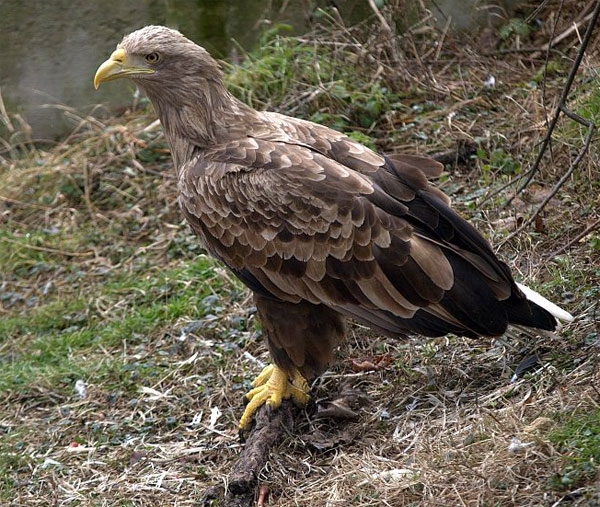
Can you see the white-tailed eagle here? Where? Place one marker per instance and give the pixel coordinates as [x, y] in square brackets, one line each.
[318, 226]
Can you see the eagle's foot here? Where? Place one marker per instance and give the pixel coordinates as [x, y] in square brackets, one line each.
[271, 387]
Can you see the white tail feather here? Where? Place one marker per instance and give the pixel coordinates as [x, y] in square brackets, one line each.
[540, 300]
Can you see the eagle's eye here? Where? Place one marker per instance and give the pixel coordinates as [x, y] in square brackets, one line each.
[152, 58]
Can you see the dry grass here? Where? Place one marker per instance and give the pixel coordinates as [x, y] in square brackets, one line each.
[102, 283]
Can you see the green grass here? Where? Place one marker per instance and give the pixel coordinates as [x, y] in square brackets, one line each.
[322, 78]
[578, 439]
[60, 341]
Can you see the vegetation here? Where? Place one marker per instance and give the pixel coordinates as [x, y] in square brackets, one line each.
[578, 437]
[125, 351]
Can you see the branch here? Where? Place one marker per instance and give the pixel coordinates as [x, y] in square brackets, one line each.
[387, 29]
[561, 105]
[242, 482]
[566, 176]
[582, 234]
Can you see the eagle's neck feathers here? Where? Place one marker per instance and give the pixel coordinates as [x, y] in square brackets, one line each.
[197, 113]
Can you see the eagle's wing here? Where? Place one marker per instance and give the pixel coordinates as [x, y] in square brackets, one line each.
[341, 226]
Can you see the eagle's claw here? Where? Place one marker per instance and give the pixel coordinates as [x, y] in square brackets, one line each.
[271, 387]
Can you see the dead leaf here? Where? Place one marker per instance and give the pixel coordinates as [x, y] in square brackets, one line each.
[336, 409]
[374, 363]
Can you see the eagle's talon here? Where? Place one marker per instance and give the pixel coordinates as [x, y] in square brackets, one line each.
[263, 377]
[271, 387]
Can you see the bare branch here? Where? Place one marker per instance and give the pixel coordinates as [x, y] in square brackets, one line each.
[565, 177]
[561, 106]
[242, 482]
[595, 225]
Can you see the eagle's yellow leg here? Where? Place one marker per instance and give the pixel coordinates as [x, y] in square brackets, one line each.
[271, 387]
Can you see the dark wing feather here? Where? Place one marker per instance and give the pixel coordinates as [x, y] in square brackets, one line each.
[306, 214]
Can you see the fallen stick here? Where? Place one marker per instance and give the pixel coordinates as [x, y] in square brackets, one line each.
[242, 481]
[573, 28]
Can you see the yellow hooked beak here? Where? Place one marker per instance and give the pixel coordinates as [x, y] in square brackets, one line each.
[117, 66]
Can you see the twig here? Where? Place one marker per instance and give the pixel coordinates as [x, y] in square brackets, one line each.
[87, 193]
[567, 175]
[4, 116]
[555, 40]
[440, 43]
[561, 105]
[536, 12]
[507, 51]
[11, 201]
[56, 251]
[243, 479]
[263, 494]
[574, 240]
[386, 28]
[380, 17]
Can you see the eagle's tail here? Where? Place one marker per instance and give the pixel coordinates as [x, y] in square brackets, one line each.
[549, 306]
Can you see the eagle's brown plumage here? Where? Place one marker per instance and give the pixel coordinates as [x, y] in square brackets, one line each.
[318, 226]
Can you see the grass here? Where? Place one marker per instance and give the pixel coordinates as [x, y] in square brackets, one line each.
[326, 87]
[101, 282]
[127, 307]
[578, 438]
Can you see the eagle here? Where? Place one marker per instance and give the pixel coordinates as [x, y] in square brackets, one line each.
[319, 227]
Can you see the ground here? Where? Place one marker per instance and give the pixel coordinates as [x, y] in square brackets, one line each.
[126, 351]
